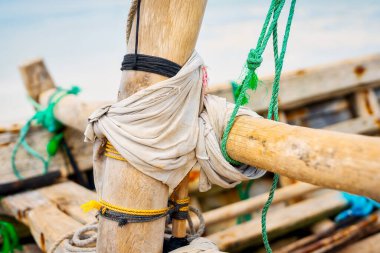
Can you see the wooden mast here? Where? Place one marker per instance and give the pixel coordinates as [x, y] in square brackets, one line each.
[168, 29]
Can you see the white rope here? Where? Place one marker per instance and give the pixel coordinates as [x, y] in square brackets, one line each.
[80, 241]
[160, 131]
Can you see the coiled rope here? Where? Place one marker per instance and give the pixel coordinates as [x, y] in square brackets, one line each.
[250, 81]
[44, 117]
[84, 239]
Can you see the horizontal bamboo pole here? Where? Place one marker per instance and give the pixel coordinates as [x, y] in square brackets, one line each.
[334, 160]
[330, 159]
[248, 206]
[72, 111]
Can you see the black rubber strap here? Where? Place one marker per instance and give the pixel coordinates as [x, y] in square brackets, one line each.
[147, 63]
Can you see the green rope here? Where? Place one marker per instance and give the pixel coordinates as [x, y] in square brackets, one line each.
[250, 81]
[243, 191]
[10, 238]
[44, 117]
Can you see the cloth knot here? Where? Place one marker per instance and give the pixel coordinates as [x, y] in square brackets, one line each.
[95, 116]
[254, 59]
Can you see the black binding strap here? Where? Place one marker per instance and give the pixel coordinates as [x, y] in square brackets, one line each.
[147, 63]
[150, 64]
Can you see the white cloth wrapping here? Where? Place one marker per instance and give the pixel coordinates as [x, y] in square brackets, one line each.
[162, 133]
[199, 245]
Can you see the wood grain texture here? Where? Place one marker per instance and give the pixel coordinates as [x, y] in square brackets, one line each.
[367, 245]
[334, 160]
[36, 78]
[181, 192]
[38, 138]
[279, 222]
[168, 29]
[50, 212]
[312, 84]
[250, 205]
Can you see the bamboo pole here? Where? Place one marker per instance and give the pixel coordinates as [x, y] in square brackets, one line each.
[248, 206]
[335, 160]
[168, 29]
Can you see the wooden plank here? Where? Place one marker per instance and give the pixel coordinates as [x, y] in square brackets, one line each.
[314, 84]
[68, 197]
[248, 206]
[50, 212]
[361, 125]
[38, 138]
[279, 222]
[28, 165]
[36, 78]
[330, 159]
[367, 245]
[48, 224]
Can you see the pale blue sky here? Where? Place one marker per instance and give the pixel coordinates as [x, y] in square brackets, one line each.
[82, 41]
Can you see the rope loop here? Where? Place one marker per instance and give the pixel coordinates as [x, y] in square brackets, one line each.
[254, 59]
[44, 117]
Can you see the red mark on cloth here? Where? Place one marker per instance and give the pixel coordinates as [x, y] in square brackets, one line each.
[204, 79]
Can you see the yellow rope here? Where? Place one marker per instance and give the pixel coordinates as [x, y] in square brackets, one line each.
[111, 152]
[103, 205]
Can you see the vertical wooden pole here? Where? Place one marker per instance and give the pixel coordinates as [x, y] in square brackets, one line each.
[181, 192]
[168, 29]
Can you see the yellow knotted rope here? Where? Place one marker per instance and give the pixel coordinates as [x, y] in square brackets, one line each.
[177, 208]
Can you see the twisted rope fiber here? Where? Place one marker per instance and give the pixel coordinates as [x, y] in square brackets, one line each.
[177, 209]
[250, 81]
[79, 241]
[44, 117]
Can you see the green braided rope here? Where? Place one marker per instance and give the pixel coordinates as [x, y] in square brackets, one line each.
[250, 81]
[44, 117]
[10, 238]
[243, 191]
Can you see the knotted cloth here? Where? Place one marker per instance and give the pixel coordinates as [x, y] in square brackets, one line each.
[169, 127]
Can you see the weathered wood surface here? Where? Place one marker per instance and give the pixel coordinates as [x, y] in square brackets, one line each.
[313, 84]
[336, 237]
[334, 160]
[38, 138]
[168, 29]
[248, 206]
[36, 78]
[181, 192]
[73, 112]
[50, 212]
[368, 245]
[279, 222]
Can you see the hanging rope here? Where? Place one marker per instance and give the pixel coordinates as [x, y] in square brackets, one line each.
[44, 117]
[250, 81]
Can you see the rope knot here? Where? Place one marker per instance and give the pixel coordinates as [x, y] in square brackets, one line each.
[254, 59]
